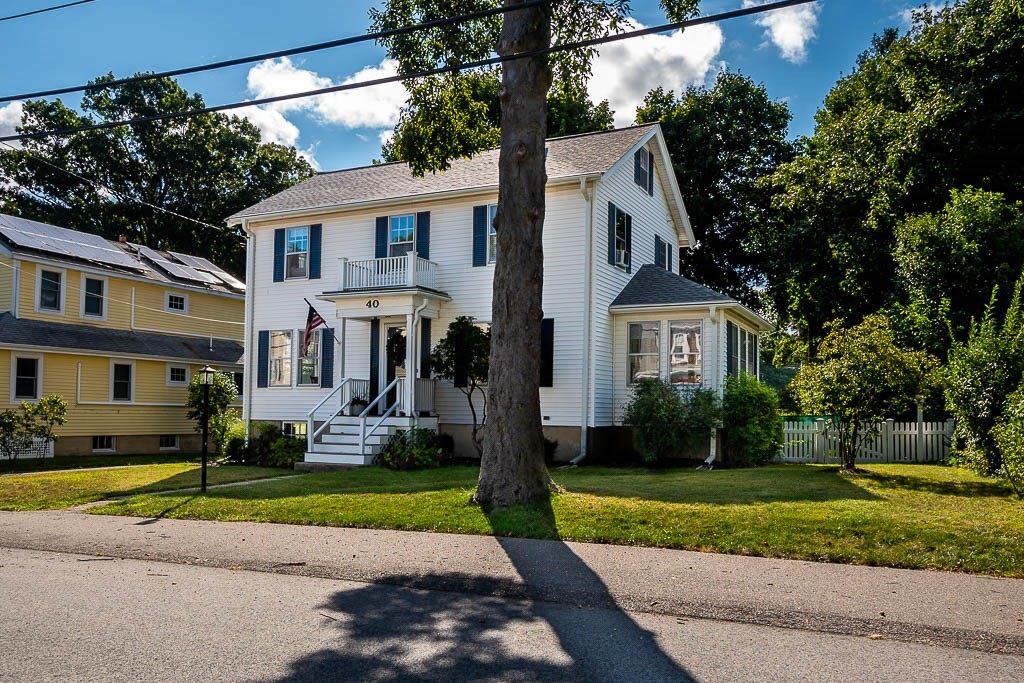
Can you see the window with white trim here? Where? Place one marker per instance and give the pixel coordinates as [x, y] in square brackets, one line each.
[294, 429]
[94, 297]
[177, 375]
[51, 294]
[281, 358]
[309, 364]
[644, 351]
[176, 303]
[401, 234]
[685, 356]
[742, 350]
[103, 444]
[492, 233]
[121, 381]
[26, 375]
[623, 223]
[169, 442]
[296, 253]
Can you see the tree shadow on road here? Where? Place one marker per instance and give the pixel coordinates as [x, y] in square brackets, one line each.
[558, 623]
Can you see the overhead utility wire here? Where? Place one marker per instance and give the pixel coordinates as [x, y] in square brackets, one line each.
[106, 187]
[279, 53]
[420, 74]
[45, 9]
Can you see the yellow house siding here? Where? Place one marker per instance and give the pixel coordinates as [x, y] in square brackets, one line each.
[6, 284]
[202, 309]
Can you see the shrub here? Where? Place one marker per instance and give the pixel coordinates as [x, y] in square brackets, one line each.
[550, 448]
[1009, 438]
[752, 431]
[286, 451]
[666, 420]
[411, 450]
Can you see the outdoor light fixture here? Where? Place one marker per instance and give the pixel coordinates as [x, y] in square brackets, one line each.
[206, 374]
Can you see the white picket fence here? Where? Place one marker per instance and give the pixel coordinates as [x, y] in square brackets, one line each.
[39, 449]
[896, 442]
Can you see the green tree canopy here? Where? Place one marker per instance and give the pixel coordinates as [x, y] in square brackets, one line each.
[723, 140]
[923, 113]
[205, 167]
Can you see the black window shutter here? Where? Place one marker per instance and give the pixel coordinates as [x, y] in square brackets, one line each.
[263, 359]
[659, 252]
[315, 236]
[755, 367]
[480, 229]
[629, 243]
[327, 358]
[374, 359]
[423, 234]
[547, 352]
[279, 255]
[650, 173]
[381, 250]
[638, 170]
[611, 233]
[425, 348]
[730, 349]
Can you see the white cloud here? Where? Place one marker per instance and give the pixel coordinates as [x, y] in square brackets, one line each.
[906, 15]
[626, 71]
[10, 118]
[789, 29]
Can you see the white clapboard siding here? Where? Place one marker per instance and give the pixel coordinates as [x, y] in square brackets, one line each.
[895, 442]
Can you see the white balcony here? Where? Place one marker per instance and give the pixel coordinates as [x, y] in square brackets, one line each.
[387, 273]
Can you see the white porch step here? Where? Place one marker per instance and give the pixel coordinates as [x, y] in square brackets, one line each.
[400, 422]
[347, 448]
[379, 438]
[338, 458]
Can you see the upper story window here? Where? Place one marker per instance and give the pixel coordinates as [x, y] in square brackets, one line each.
[176, 303]
[492, 233]
[94, 303]
[620, 231]
[643, 170]
[51, 290]
[296, 257]
[27, 378]
[401, 234]
[685, 361]
[281, 358]
[644, 351]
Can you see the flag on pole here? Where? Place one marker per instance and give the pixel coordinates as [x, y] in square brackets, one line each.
[313, 321]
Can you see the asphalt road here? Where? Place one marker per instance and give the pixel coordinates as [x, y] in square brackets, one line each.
[73, 617]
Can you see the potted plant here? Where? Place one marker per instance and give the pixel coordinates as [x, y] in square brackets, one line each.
[357, 405]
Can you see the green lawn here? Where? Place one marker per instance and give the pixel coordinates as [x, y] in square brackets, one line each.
[56, 490]
[76, 462]
[915, 516]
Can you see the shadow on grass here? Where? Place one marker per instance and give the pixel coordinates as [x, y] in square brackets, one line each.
[163, 513]
[559, 623]
[923, 484]
[84, 462]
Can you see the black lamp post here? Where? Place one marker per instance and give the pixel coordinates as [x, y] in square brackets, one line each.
[206, 379]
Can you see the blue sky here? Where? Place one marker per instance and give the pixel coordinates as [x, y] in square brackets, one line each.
[797, 55]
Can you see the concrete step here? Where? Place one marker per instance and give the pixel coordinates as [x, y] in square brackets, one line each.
[318, 457]
[346, 449]
[377, 438]
[400, 422]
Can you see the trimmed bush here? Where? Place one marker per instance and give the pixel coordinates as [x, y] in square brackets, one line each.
[752, 431]
[412, 450]
[1009, 438]
[666, 420]
[286, 451]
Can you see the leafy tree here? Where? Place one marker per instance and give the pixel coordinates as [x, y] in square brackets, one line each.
[512, 467]
[20, 428]
[949, 262]
[1009, 439]
[48, 412]
[723, 140]
[982, 373]
[666, 421]
[205, 167]
[858, 378]
[223, 392]
[462, 356]
[752, 427]
[923, 113]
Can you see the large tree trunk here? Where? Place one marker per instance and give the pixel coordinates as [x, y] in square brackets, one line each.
[512, 467]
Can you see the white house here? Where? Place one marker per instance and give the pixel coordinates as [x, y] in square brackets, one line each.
[386, 257]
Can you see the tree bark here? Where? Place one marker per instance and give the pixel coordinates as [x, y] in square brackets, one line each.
[512, 467]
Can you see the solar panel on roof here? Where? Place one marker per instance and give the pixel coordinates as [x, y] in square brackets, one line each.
[202, 264]
[55, 240]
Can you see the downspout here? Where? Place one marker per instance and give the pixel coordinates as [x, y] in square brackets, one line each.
[16, 287]
[721, 351]
[413, 374]
[588, 268]
[248, 345]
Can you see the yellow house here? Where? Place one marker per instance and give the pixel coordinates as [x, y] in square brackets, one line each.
[117, 329]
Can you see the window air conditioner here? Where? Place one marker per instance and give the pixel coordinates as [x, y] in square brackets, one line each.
[622, 258]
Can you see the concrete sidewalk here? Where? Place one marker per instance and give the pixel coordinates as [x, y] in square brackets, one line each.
[955, 610]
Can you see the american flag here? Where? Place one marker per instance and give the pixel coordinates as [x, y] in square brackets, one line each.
[313, 321]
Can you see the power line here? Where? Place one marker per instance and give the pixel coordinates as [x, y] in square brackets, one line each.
[279, 53]
[45, 9]
[107, 188]
[757, 9]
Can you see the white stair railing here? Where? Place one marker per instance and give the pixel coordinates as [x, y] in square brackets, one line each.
[396, 382]
[311, 415]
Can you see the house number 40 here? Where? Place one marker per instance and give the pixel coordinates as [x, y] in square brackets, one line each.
[373, 303]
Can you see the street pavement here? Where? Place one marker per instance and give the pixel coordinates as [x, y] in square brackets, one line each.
[279, 602]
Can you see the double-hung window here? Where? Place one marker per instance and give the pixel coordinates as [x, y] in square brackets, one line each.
[401, 234]
[492, 234]
[296, 257]
[26, 378]
[121, 382]
[93, 297]
[644, 351]
[309, 364]
[742, 350]
[685, 361]
[621, 227]
[281, 358]
[50, 295]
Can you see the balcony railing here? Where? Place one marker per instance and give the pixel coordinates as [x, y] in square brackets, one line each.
[395, 271]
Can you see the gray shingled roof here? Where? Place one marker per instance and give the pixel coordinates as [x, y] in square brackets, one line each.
[654, 286]
[567, 157]
[47, 335]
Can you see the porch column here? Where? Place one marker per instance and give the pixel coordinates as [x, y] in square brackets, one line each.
[410, 365]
